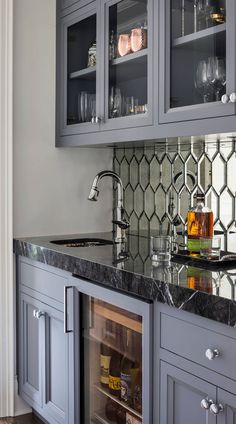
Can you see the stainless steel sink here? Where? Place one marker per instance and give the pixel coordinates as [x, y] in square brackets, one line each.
[82, 242]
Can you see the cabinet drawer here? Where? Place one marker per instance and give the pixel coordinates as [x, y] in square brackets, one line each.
[191, 342]
[42, 281]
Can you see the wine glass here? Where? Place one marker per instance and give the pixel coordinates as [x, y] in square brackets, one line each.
[216, 75]
[201, 80]
[220, 73]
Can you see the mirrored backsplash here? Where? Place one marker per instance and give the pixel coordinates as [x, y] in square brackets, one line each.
[160, 183]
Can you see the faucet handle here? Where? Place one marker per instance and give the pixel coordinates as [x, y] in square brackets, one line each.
[123, 224]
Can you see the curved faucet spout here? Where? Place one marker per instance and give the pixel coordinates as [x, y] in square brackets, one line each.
[121, 223]
[94, 192]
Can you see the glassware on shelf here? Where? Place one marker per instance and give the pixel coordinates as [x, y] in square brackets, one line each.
[138, 39]
[86, 106]
[216, 74]
[83, 106]
[218, 15]
[112, 46]
[206, 14]
[92, 55]
[124, 46]
[199, 15]
[117, 104]
[202, 81]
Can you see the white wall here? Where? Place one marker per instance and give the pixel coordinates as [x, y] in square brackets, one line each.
[50, 185]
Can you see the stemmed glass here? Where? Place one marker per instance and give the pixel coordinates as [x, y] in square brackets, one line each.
[201, 81]
[216, 75]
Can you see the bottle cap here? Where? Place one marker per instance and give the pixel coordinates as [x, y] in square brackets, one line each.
[199, 196]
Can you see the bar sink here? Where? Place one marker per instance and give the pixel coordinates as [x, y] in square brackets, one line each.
[82, 242]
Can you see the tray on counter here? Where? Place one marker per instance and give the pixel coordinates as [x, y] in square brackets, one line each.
[183, 256]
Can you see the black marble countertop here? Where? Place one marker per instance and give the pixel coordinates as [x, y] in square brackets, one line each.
[128, 268]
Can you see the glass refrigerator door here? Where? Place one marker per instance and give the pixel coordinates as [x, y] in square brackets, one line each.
[112, 372]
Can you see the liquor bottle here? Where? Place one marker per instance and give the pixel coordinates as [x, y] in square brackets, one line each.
[105, 354]
[200, 224]
[137, 394]
[136, 373]
[127, 364]
[115, 364]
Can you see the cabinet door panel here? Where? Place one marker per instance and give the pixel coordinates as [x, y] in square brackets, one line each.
[127, 90]
[77, 72]
[181, 396]
[228, 400]
[56, 366]
[197, 63]
[30, 351]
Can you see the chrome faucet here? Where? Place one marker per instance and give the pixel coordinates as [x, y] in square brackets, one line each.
[121, 223]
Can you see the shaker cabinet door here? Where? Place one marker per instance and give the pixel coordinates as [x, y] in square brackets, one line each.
[228, 402]
[56, 371]
[181, 395]
[77, 100]
[127, 56]
[197, 60]
[30, 351]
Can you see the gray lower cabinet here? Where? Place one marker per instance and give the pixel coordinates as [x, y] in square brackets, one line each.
[44, 360]
[45, 352]
[228, 401]
[30, 351]
[181, 395]
[192, 378]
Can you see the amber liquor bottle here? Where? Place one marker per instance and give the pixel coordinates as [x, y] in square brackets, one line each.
[200, 224]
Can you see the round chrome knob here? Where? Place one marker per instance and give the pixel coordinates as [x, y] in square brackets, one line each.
[212, 354]
[38, 314]
[216, 408]
[95, 120]
[205, 404]
[225, 98]
[232, 98]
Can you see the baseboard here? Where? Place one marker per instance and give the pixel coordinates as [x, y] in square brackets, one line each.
[20, 407]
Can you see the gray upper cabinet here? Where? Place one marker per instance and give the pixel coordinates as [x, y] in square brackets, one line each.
[197, 60]
[104, 71]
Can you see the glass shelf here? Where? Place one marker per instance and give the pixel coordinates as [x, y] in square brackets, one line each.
[118, 401]
[87, 73]
[130, 57]
[199, 35]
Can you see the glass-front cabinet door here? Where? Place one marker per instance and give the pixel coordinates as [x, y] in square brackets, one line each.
[78, 71]
[197, 59]
[115, 346]
[127, 60]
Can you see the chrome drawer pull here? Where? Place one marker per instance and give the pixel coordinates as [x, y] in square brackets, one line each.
[205, 404]
[216, 408]
[212, 354]
[38, 314]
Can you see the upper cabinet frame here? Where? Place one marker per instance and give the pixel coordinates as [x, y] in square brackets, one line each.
[179, 57]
